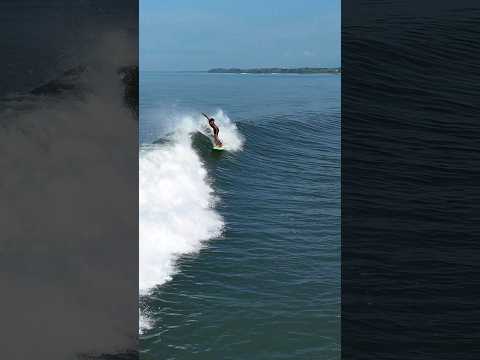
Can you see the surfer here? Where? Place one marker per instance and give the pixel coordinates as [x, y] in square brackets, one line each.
[211, 122]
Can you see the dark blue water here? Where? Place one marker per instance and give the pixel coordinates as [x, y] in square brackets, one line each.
[268, 287]
[410, 175]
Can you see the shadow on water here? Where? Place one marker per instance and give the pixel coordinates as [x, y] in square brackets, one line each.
[203, 147]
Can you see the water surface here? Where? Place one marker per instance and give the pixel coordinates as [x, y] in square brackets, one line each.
[266, 284]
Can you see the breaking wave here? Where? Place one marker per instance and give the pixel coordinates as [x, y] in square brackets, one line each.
[176, 199]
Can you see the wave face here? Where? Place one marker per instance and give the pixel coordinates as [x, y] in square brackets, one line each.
[176, 199]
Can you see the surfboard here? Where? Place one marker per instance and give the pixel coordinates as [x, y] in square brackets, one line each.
[219, 148]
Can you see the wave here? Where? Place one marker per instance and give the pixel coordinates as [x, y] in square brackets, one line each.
[176, 199]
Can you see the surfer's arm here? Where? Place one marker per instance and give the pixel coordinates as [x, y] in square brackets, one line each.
[206, 116]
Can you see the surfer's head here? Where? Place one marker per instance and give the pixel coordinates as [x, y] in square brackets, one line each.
[211, 120]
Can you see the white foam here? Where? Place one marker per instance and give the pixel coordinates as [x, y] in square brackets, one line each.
[144, 322]
[176, 201]
[229, 134]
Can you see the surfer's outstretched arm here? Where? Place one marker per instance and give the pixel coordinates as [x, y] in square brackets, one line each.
[206, 116]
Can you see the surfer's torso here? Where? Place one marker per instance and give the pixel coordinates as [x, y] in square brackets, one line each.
[216, 130]
[214, 127]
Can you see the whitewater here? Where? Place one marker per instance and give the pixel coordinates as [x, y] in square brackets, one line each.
[176, 200]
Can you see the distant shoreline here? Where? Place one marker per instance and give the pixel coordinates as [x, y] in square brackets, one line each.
[303, 70]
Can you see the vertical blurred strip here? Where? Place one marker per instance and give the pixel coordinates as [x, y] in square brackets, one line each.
[410, 179]
[69, 179]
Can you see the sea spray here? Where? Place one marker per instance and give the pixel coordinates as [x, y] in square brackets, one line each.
[176, 200]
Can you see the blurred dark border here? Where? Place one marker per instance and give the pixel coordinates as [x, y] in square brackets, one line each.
[410, 179]
[69, 184]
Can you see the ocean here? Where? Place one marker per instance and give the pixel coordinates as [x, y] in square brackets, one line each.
[240, 249]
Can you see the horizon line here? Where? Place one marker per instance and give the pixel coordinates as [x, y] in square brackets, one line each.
[246, 68]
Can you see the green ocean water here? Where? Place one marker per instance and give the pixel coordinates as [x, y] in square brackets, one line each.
[241, 248]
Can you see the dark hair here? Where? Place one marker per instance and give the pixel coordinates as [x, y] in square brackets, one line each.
[211, 119]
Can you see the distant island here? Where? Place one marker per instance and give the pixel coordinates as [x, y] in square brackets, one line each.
[303, 70]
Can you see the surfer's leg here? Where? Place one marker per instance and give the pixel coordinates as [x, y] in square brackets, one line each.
[215, 136]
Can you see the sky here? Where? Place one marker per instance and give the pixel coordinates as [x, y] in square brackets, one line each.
[178, 35]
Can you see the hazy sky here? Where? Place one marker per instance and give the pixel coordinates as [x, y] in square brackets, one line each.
[199, 35]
